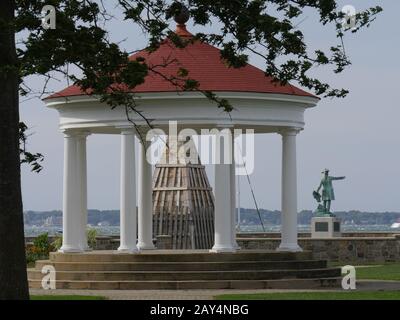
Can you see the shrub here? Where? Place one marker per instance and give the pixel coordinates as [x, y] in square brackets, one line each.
[42, 244]
[91, 237]
[57, 243]
[40, 249]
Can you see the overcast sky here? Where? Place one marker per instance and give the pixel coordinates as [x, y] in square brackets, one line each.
[358, 136]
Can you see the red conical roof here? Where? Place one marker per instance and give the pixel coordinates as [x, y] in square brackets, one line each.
[205, 65]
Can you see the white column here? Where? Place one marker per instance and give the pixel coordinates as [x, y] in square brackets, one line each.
[128, 193]
[233, 195]
[71, 197]
[238, 201]
[223, 195]
[82, 188]
[289, 191]
[145, 201]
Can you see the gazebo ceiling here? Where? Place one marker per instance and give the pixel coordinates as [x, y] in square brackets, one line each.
[205, 65]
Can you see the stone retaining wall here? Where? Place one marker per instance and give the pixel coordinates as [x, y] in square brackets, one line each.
[344, 249]
[376, 234]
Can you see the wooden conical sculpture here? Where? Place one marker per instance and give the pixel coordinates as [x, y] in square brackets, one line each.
[183, 203]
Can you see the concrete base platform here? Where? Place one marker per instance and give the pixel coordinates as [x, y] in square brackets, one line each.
[186, 269]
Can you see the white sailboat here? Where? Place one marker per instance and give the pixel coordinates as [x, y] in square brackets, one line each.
[395, 225]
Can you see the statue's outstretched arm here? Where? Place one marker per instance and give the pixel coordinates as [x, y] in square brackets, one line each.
[338, 178]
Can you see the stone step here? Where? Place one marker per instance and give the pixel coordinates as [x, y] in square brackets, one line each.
[187, 269]
[183, 256]
[182, 266]
[316, 283]
[188, 275]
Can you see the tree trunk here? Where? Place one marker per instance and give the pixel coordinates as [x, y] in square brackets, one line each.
[13, 278]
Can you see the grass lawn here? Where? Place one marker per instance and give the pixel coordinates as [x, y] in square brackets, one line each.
[348, 295]
[389, 271]
[71, 297]
[373, 270]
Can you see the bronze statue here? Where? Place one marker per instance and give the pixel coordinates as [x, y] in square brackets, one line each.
[327, 193]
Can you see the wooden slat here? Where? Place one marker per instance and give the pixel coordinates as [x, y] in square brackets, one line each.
[185, 239]
[180, 188]
[180, 228]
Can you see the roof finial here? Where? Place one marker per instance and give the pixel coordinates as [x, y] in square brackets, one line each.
[181, 16]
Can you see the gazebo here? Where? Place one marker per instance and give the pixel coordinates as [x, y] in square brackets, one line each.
[259, 104]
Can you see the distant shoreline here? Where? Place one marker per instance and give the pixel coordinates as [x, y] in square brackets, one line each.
[107, 221]
[247, 217]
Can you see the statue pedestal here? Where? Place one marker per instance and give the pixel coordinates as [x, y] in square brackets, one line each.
[325, 227]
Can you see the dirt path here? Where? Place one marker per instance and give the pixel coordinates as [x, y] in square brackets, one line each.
[362, 285]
